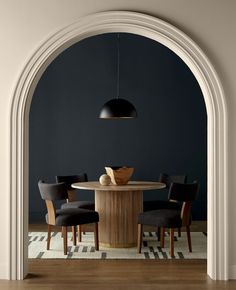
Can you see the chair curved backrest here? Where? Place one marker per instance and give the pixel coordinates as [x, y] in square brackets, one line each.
[183, 192]
[53, 191]
[168, 179]
[68, 180]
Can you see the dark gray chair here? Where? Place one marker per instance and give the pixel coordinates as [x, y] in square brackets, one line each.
[67, 216]
[167, 204]
[171, 218]
[72, 201]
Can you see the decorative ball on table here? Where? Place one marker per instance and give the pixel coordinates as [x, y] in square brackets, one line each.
[105, 179]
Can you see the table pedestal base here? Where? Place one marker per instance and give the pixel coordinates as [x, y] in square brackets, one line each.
[118, 217]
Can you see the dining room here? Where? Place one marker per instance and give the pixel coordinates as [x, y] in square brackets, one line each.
[67, 137]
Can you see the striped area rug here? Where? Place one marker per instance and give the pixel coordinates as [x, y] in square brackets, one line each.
[85, 250]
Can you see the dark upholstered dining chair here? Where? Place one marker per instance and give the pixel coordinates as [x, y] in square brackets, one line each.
[167, 204]
[72, 201]
[67, 216]
[170, 218]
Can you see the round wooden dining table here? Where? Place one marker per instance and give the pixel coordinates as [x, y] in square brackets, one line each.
[118, 207]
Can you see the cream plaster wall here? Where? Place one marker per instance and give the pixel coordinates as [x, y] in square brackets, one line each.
[25, 24]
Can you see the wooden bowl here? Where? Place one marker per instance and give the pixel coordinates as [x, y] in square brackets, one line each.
[119, 175]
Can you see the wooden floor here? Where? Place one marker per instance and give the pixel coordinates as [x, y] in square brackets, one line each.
[114, 275]
[117, 274]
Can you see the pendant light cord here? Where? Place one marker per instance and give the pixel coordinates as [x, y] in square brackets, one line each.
[118, 108]
[118, 66]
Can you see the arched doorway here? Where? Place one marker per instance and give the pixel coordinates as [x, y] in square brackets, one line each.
[186, 49]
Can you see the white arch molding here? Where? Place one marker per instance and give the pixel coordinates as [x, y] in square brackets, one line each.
[192, 55]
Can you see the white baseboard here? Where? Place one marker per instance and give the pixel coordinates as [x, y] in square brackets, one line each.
[4, 272]
[232, 272]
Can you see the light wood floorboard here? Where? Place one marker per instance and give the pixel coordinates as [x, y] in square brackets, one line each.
[114, 275]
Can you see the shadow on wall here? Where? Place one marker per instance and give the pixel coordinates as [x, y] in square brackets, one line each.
[169, 135]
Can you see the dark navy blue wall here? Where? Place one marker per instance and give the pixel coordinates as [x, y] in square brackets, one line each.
[169, 135]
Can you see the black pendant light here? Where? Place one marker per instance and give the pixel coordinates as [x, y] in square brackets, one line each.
[118, 108]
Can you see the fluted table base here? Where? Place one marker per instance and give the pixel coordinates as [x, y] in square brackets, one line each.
[118, 214]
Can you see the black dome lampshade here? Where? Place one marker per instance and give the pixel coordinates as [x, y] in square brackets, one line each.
[118, 108]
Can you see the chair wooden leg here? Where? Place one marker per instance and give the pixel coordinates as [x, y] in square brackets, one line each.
[172, 243]
[140, 237]
[158, 234]
[82, 231]
[162, 237]
[64, 230]
[49, 237]
[79, 234]
[74, 235]
[96, 238]
[189, 238]
[179, 232]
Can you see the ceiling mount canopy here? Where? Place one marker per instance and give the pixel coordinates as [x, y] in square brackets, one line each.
[118, 108]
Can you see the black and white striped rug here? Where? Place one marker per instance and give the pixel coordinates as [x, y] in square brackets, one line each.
[85, 250]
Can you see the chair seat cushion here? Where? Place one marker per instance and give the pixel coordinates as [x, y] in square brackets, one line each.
[79, 204]
[74, 216]
[161, 218]
[160, 204]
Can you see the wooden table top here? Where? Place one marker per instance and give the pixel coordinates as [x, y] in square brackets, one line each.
[131, 186]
